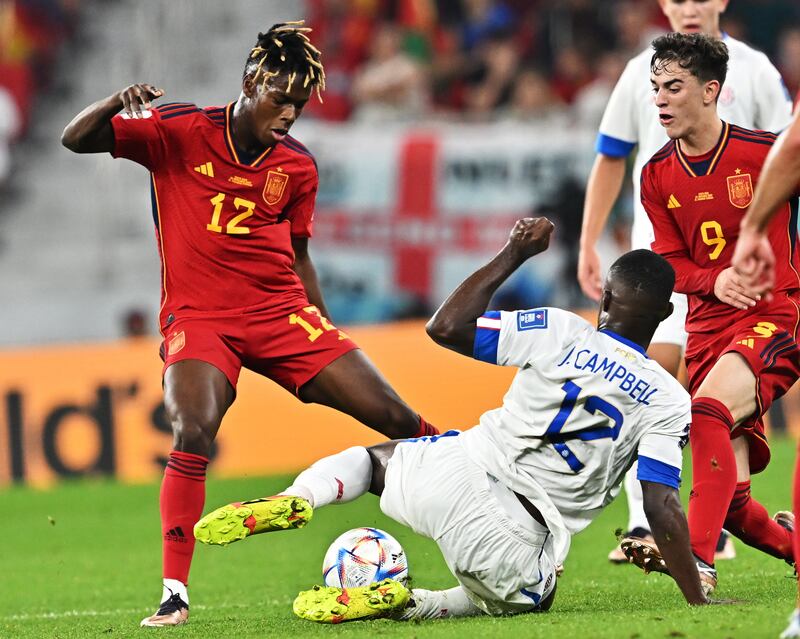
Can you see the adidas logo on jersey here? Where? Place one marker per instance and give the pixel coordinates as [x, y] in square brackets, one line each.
[673, 203]
[749, 342]
[205, 169]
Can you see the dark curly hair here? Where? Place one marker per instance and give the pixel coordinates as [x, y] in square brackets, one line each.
[704, 57]
[646, 274]
[286, 50]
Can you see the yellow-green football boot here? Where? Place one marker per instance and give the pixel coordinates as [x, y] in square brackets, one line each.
[241, 519]
[325, 604]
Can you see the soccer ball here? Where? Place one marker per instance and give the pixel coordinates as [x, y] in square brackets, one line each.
[363, 556]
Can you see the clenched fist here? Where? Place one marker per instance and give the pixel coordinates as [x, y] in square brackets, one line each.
[530, 236]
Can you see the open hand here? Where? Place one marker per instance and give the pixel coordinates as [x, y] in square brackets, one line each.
[138, 96]
[731, 288]
[589, 276]
[754, 260]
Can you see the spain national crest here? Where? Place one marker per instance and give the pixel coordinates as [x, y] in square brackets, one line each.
[275, 186]
[740, 190]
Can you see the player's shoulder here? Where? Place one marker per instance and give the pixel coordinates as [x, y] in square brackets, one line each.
[752, 136]
[636, 71]
[180, 113]
[741, 53]
[547, 316]
[298, 150]
[641, 60]
[658, 158]
[535, 321]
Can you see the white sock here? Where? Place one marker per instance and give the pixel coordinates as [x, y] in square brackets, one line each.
[440, 604]
[335, 479]
[172, 587]
[633, 490]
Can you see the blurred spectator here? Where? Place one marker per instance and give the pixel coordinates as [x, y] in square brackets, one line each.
[484, 19]
[591, 100]
[134, 324]
[10, 125]
[342, 31]
[788, 58]
[391, 85]
[764, 19]
[571, 73]
[533, 101]
[490, 85]
[635, 31]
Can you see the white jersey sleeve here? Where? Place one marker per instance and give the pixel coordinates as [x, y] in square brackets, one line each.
[515, 338]
[773, 102]
[660, 448]
[619, 128]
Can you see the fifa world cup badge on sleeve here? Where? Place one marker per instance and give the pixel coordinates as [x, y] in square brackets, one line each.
[275, 186]
[526, 320]
[740, 189]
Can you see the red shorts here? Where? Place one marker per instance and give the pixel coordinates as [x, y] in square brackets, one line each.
[769, 346]
[289, 349]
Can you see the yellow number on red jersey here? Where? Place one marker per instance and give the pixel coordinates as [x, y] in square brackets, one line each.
[232, 227]
[711, 232]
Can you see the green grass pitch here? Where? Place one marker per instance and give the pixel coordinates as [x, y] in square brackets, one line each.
[82, 560]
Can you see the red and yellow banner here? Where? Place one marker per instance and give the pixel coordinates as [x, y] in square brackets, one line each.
[97, 409]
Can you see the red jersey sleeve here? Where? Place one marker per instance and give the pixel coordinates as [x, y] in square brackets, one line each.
[142, 139]
[300, 209]
[690, 278]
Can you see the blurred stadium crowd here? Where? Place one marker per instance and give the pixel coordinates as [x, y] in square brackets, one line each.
[552, 61]
[520, 59]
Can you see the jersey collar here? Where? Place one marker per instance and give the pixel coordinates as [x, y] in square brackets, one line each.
[715, 153]
[626, 341]
[237, 155]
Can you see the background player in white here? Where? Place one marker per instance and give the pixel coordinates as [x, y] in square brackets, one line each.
[502, 499]
[753, 96]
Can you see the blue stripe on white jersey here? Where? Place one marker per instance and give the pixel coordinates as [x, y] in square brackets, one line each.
[487, 337]
[613, 147]
[658, 472]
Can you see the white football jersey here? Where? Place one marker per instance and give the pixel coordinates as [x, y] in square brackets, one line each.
[584, 404]
[753, 97]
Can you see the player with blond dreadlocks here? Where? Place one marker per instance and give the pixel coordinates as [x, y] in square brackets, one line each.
[233, 201]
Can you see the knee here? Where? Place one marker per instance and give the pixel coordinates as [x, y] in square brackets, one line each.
[400, 422]
[193, 432]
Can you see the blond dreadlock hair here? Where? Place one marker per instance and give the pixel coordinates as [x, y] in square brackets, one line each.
[286, 49]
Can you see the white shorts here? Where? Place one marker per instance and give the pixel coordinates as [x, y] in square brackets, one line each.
[500, 555]
[673, 329]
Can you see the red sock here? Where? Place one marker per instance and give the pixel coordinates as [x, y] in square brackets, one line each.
[749, 521]
[796, 508]
[426, 429]
[183, 494]
[713, 474]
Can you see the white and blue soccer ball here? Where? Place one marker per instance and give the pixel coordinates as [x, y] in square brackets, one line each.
[363, 556]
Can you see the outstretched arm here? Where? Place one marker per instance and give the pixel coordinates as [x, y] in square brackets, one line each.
[671, 532]
[90, 131]
[453, 325]
[305, 270]
[753, 257]
[602, 190]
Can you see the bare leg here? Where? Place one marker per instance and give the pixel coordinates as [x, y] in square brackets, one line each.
[196, 396]
[352, 385]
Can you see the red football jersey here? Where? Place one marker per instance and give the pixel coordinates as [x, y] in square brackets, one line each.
[696, 205]
[224, 222]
